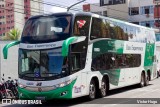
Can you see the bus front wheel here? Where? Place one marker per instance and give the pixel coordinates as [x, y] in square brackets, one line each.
[142, 80]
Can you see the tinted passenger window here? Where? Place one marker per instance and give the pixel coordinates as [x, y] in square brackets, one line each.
[115, 61]
[81, 26]
[102, 28]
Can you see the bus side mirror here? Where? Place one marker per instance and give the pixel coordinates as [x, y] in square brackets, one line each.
[70, 40]
[65, 46]
[6, 47]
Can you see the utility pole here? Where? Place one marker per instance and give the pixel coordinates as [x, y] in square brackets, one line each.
[75, 4]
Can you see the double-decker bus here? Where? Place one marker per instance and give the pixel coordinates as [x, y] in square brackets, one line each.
[69, 55]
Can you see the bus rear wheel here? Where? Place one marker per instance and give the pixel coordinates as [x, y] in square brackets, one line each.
[146, 80]
[157, 74]
[92, 90]
[103, 89]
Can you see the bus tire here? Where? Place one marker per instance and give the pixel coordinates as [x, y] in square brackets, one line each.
[142, 80]
[157, 74]
[104, 88]
[149, 75]
[92, 90]
[146, 80]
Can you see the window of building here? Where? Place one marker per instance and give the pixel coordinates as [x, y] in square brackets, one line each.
[151, 23]
[104, 13]
[147, 24]
[147, 11]
[134, 11]
[115, 61]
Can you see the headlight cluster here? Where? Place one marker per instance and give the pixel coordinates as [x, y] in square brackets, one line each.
[46, 88]
[62, 84]
[21, 85]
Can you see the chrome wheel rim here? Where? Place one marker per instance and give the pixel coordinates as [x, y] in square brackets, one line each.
[92, 91]
[103, 88]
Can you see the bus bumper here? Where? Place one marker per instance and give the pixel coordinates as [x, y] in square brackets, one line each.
[59, 93]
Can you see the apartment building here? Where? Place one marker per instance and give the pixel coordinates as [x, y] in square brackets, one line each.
[14, 13]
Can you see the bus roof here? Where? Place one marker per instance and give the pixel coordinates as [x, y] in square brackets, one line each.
[95, 15]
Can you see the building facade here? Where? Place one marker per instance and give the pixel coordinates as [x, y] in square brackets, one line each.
[14, 13]
[142, 12]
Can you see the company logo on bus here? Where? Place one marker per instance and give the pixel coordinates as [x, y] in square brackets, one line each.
[39, 84]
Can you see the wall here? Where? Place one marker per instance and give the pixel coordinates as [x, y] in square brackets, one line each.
[18, 14]
[36, 7]
[9, 67]
[141, 17]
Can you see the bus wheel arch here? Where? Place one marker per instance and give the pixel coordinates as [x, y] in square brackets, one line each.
[104, 88]
[93, 88]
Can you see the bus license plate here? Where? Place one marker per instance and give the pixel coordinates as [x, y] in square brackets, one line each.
[40, 98]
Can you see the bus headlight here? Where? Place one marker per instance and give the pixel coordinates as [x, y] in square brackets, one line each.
[62, 84]
[21, 86]
[68, 82]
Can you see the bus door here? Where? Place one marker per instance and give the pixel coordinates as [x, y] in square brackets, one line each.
[77, 66]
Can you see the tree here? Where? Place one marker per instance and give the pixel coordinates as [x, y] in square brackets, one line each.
[13, 34]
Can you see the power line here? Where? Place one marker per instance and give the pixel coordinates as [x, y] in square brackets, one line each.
[57, 5]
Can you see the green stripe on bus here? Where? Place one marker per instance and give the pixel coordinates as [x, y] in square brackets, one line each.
[105, 46]
[149, 54]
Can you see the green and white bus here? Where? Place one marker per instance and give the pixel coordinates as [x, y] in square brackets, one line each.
[69, 55]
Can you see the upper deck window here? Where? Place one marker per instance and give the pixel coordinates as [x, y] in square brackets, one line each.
[48, 26]
[81, 26]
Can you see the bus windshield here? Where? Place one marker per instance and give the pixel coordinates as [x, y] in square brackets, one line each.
[42, 64]
[51, 27]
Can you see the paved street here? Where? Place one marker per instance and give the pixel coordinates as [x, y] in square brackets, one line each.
[124, 97]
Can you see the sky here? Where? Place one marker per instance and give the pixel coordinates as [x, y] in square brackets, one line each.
[66, 3]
